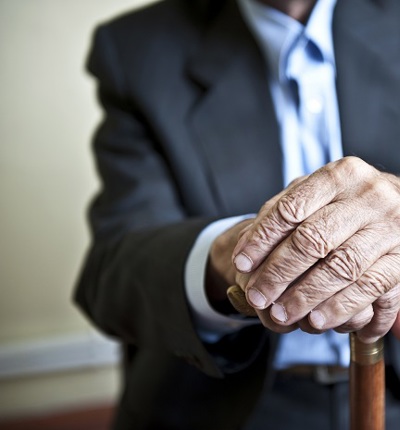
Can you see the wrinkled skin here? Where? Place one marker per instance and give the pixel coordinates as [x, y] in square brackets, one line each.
[324, 253]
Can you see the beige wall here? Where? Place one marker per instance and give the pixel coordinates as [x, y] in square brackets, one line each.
[47, 115]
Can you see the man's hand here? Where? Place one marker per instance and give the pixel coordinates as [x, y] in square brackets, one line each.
[326, 253]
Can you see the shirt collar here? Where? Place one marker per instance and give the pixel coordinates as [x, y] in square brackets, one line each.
[277, 33]
[319, 28]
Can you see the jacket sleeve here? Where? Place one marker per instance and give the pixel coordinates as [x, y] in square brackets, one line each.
[132, 282]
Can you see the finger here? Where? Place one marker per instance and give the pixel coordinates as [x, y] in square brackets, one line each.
[377, 281]
[308, 244]
[358, 321]
[305, 326]
[242, 261]
[342, 267]
[386, 309]
[268, 323]
[281, 215]
[236, 295]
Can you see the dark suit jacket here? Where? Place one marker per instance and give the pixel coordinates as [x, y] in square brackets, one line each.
[189, 135]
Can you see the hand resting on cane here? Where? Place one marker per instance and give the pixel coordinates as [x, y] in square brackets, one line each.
[324, 253]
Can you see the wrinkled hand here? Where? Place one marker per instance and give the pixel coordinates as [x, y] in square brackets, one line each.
[325, 253]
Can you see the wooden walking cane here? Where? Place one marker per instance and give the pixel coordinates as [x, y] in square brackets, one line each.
[367, 385]
[367, 374]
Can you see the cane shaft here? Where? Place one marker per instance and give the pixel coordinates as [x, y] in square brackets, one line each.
[367, 385]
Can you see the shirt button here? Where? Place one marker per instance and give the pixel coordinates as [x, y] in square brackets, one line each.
[314, 105]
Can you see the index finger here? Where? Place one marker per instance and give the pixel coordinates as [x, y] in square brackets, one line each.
[275, 222]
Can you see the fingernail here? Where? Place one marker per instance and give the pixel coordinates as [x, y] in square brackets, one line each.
[317, 319]
[256, 298]
[278, 313]
[243, 262]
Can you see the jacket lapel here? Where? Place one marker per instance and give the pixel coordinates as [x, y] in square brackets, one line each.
[367, 45]
[233, 121]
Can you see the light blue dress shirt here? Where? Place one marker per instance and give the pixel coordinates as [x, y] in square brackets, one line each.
[308, 118]
[301, 66]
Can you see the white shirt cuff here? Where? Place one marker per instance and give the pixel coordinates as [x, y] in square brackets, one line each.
[211, 325]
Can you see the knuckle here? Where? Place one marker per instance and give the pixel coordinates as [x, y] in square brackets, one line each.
[260, 235]
[258, 244]
[309, 240]
[290, 210]
[277, 273]
[345, 263]
[379, 188]
[266, 232]
[375, 284]
[352, 165]
[379, 197]
[368, 177]
[352, 168]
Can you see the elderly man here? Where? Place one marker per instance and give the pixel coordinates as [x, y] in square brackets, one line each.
[213, 110]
